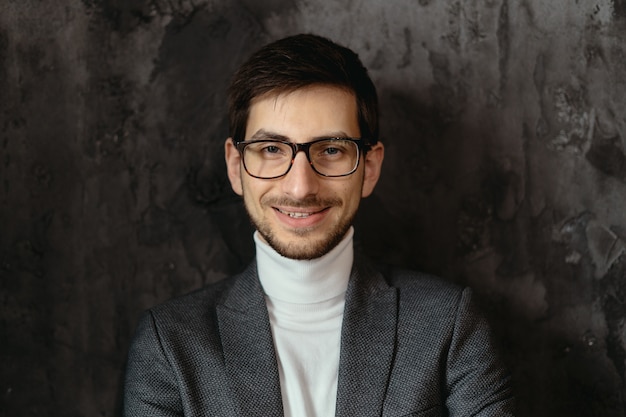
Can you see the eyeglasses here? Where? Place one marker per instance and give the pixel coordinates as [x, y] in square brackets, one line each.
[329, 157]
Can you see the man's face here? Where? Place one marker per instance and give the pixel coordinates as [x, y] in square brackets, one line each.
[303, 215]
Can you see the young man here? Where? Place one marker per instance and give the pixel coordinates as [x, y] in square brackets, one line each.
[312, 328]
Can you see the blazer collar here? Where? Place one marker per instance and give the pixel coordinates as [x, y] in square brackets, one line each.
[368, 339]
[249, 356]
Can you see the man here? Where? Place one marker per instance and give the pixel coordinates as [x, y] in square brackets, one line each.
[312, 328]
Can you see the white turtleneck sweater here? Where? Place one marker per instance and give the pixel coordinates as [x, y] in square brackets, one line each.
[305, 301]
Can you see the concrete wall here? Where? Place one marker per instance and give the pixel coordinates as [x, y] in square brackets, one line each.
[505, 128]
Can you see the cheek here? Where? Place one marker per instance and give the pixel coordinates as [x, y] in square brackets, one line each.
[252, 192]
[352, 194]
[367, 187]
[237, 186]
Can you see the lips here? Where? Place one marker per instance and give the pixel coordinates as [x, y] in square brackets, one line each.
[302, 214]
[301, 218]
[298, 214]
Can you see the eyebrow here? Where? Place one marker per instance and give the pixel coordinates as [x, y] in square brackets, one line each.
[263, 134]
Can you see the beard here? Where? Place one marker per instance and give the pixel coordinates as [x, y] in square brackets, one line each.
[303, 246]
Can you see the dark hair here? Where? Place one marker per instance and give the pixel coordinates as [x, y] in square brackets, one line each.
[296, 62]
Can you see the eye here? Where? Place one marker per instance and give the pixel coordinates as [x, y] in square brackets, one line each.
[263, 148]
[331, 150]
[271, 149]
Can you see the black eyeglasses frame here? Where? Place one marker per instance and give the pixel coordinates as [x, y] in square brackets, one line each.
[362, 147]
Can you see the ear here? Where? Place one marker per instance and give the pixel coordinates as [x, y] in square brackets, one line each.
[233, 165]
[373, 163]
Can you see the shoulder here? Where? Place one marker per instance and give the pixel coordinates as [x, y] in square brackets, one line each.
[199, 307]
[404, 278]
[418, 287]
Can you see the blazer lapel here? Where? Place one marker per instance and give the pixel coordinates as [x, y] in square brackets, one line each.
[368, 339]
[249, 355]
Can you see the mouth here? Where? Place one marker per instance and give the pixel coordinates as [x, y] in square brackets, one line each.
[298, 214]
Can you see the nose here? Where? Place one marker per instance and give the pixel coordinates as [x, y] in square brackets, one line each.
[301, 181]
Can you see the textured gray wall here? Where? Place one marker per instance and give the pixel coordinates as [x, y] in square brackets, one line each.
[505, 128]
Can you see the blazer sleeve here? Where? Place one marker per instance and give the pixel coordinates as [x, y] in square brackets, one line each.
[150, 386]
[477, 382]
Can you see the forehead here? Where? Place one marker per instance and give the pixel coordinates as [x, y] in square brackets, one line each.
[305, 113]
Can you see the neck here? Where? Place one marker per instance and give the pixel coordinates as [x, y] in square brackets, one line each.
[305, 281]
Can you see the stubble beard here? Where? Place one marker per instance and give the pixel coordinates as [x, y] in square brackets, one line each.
[302, 247]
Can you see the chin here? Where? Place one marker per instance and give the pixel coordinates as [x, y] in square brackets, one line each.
[303, 243]
[304, 250]
[301, 254]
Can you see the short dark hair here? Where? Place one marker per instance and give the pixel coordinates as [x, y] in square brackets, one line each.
[296, 62]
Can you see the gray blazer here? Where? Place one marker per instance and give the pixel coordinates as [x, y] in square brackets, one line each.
[411, 345]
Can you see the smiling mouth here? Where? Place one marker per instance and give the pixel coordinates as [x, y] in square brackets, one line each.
[298, 214]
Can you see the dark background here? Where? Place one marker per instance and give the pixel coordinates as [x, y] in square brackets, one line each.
[505, 128]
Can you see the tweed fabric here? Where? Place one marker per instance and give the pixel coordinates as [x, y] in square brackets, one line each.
[411, 345]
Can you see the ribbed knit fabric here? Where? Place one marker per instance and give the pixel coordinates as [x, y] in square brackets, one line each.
[305, 301]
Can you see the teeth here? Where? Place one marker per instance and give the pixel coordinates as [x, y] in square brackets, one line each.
[295, 215]
[299, 215]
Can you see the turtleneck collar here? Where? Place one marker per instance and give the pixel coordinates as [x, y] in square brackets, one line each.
[305, 282]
